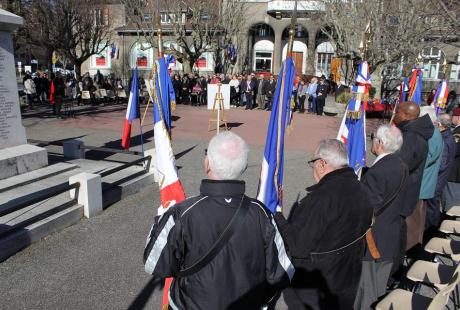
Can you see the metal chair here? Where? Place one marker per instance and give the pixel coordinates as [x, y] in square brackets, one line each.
[404, 300]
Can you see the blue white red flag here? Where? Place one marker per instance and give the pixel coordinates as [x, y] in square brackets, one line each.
[132, 112]
[164, 89]
[271, 176]
[352, 131]
[415, 84]
[440, 98]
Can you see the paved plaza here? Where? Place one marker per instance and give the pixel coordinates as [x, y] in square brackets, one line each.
[97, 263]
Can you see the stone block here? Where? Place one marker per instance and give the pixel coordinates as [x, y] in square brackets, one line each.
[153, 163]
[89, 192]
[21, 159]
[73, 149]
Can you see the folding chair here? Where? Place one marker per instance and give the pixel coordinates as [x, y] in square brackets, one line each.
[450, 227]
[444, 247]
[404, 300]
[454, 211]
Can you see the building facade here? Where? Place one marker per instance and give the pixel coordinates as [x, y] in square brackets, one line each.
[261, 44]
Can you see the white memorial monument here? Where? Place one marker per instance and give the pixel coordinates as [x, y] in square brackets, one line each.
[16, 156]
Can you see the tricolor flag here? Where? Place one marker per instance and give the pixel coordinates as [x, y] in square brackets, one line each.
[440, 98]
[171, 190]
[352, 131]
[132, 112]
[415, 84]
[271, 176]
[164, 89]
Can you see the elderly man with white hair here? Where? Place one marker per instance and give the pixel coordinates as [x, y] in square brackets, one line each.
[222, 248]
[325, 232]
[385, 180]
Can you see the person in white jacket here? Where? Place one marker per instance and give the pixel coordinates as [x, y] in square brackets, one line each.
[29, 89]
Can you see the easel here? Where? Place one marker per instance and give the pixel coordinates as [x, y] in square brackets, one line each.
[219, 103]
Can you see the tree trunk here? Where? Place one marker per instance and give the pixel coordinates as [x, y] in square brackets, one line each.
[186, 65]
[377, 80]
[77, 70]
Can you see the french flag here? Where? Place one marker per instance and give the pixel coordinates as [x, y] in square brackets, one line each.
[131, 111]
[440, 98]
[271, 176]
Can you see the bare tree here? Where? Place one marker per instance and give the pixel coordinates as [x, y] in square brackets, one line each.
[382, 32]
[196, 26]
[70, 27]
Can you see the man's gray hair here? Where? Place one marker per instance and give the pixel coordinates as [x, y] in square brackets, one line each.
[334, 152]
[390, 137]
[445, 120]
[228, 156]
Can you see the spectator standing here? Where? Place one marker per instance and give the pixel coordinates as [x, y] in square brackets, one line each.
[321, 94]
[451, 194]
[59, 93]
[430, 98]
[414, 151]
[431, 169]
[261, 88]
[385, 180]
[234, 90]
[443, 123]
[302, 94]
[271, 88]
[325, 231]
[248, 89]
[29, 89]
[252, 260]
[452, 101]
[312, 95]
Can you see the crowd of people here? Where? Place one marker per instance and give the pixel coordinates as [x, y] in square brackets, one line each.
[253, 91]
[342, 245]
[41, 88]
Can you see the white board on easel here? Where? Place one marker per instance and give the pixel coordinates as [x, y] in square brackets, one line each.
[224, 89]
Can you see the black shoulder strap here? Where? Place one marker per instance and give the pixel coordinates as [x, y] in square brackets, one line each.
[390, 201]
[220, 242]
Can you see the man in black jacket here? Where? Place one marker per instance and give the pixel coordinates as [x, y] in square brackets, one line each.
[385, 180]
[325, 233]
[452, 191]
[242, 274]
[270, 92]
[416, 131]
[321, 94]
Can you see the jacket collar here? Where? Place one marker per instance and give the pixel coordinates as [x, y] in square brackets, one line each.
[222, 188]
[339, 173]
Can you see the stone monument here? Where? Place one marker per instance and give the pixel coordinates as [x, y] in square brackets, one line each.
[16, 156]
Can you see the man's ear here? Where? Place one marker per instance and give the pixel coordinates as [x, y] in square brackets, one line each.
[207, 168]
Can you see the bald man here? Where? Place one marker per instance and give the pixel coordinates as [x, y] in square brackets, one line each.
[416, 133]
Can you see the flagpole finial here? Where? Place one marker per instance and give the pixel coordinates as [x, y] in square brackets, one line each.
[291, 42]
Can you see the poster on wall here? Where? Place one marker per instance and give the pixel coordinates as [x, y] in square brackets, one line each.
[142, 59]
[101, 61]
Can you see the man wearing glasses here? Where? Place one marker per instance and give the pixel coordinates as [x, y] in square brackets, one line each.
[325, 233]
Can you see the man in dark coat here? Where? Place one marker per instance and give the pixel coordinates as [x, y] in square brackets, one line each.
[444, 123]
[325, 233]
[321, 94]
[270, 92]
[385, 180]
[452, 191]
[416, 132]
[248, 89]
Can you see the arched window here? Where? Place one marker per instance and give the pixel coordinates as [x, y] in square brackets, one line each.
[263, 56]
[324, 54]
[141, 56]
[433, 58]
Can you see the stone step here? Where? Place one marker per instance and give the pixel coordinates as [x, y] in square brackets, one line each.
[115, 187]
[34, 176]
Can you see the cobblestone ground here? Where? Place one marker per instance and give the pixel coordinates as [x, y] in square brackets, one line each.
[97, 263]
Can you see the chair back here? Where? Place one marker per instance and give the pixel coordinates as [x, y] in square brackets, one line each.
[442, 297]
